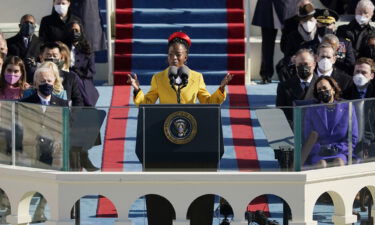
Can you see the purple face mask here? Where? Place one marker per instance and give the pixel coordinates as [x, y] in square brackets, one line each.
[11, 79]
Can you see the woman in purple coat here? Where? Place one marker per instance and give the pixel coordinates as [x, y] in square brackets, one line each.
[83, 62]
[331, 122]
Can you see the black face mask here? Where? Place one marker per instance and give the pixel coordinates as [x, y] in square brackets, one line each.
[369, 52]
[323, 31]
[27, 29]
[75, 36]
[303, 71]
[45, 89]
[324, 96]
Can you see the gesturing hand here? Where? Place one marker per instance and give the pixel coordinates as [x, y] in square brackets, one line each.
[225, 81]
[133, 81]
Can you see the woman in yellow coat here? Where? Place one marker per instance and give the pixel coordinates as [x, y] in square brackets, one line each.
[178, 50]
[165, 87]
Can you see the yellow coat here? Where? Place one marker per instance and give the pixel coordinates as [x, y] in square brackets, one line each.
[162, 90]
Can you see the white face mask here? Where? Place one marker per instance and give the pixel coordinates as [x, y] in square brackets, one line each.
[308, 26]
[361, 20]
[360, 80]
[61, 9]
[178, 80]
[325, 64]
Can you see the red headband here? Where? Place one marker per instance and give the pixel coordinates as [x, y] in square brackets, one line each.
[180, 35]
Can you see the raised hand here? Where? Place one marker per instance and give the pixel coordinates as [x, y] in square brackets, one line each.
[133, 81]
[225, 81]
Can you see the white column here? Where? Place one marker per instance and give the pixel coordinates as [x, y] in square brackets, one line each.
[181, 222]
[312, 222]
[238, 222]
[123, 222]
[60, 222]
[18, 219]
[342, 220]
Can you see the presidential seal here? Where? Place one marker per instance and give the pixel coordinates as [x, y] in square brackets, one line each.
[180, 127]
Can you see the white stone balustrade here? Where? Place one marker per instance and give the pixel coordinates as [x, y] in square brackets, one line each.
[299, 189]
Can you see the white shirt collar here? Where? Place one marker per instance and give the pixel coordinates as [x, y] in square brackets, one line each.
[329, 73]
[308, 79]
[44, 100]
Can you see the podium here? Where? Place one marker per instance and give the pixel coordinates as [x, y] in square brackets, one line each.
[181, 137]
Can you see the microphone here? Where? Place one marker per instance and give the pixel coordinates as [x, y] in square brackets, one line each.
[172, 74]
[183, 73]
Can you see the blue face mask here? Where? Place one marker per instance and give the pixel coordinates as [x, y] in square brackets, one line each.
[45, 89]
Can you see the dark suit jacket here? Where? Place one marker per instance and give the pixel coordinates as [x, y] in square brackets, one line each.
[344, 81]
[370, 92]
[55, 101]
[264, 17]
[290, 91]
[71, 85]
[356, 34]
[84, 65]
[52, 28]
[293, 44]
[16, 47]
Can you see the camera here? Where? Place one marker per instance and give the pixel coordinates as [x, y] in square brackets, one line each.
[44, 147]
[30, 61]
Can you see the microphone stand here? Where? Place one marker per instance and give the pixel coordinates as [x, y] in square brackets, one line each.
[179, 93]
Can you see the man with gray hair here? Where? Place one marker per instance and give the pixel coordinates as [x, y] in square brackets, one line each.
[359, 28]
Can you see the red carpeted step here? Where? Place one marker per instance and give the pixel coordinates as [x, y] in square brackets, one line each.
[235, 15]
[237, 61]
[239, 77]
[123, 15]
[236, 31]
[124, 4]
[236, 46]
[120, 77]
[243, 138]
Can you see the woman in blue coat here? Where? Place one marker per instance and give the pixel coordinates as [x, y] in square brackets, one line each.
[331, 122]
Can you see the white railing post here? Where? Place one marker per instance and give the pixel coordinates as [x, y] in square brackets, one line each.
[110, 51]
[13, 134]
[247, 7]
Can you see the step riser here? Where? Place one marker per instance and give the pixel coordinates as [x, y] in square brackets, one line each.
[194, 32]
[198, 62]
[170, 4]
[238, 79]
[179, 17]
[197, 48]
[151, 22]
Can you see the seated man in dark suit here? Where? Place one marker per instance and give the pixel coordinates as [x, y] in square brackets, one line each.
[44, 82]
[52, 52]
[364, 88]
[25, 44]
[359, 28]
[326, 58]
[297, 88]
